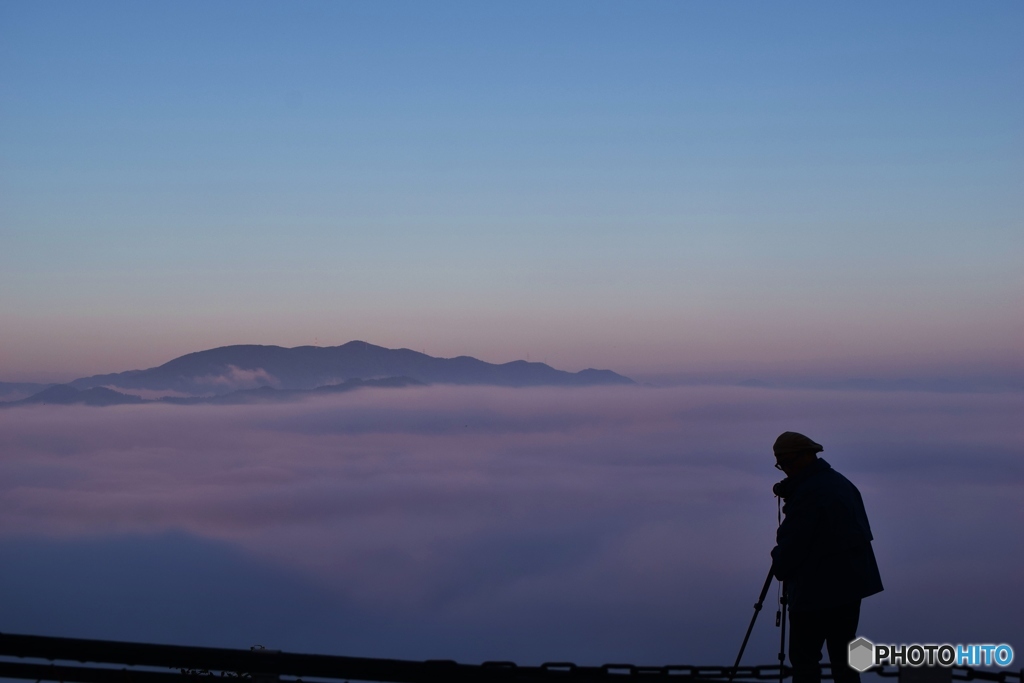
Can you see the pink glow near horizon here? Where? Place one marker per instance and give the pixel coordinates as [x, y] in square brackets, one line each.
[774, 341]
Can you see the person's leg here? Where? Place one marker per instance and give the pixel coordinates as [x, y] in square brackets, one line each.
[840, 629]
[806, 636]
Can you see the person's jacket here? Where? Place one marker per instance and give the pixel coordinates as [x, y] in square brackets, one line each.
[823, 546]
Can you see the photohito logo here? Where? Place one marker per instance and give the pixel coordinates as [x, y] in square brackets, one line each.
[863, 654]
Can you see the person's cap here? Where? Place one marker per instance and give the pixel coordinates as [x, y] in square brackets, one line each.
[794, 442]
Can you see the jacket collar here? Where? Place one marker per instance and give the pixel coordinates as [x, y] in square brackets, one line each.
[819, 465]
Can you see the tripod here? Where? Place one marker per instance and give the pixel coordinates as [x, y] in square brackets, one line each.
[780, 620]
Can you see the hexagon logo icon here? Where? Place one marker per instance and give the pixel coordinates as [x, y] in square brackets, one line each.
[862, 654]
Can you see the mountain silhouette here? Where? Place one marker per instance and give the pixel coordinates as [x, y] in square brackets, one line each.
[272, 395]
[228, 369]
[65, 394]
[13, 391]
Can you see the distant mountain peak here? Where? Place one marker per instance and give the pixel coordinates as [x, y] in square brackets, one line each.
[65, 394]
[226, 369]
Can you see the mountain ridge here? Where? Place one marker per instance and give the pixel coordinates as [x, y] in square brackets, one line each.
[226, 369]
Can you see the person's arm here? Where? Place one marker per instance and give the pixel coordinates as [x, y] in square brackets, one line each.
[795, 538]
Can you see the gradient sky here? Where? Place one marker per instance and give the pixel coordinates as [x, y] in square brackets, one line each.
[656, 187]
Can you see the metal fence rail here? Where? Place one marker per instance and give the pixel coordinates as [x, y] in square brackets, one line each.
[75, 660]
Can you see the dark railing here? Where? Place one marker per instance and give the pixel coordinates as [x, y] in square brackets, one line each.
[74, 660]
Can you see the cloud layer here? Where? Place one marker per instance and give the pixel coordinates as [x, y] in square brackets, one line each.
[529, 524]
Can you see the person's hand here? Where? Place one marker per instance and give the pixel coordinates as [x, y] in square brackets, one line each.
[782, 489]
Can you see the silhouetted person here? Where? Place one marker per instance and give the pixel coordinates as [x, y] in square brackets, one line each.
[823, 555]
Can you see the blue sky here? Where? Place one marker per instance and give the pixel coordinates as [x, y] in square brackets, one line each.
[655, 187]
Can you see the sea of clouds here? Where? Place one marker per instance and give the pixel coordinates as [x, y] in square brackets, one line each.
[624, 524]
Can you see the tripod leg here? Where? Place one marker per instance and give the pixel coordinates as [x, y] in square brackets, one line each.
[757, 608]
[782, 638]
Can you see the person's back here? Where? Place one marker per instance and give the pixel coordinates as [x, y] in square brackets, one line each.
[824, 548]
[824, 556]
